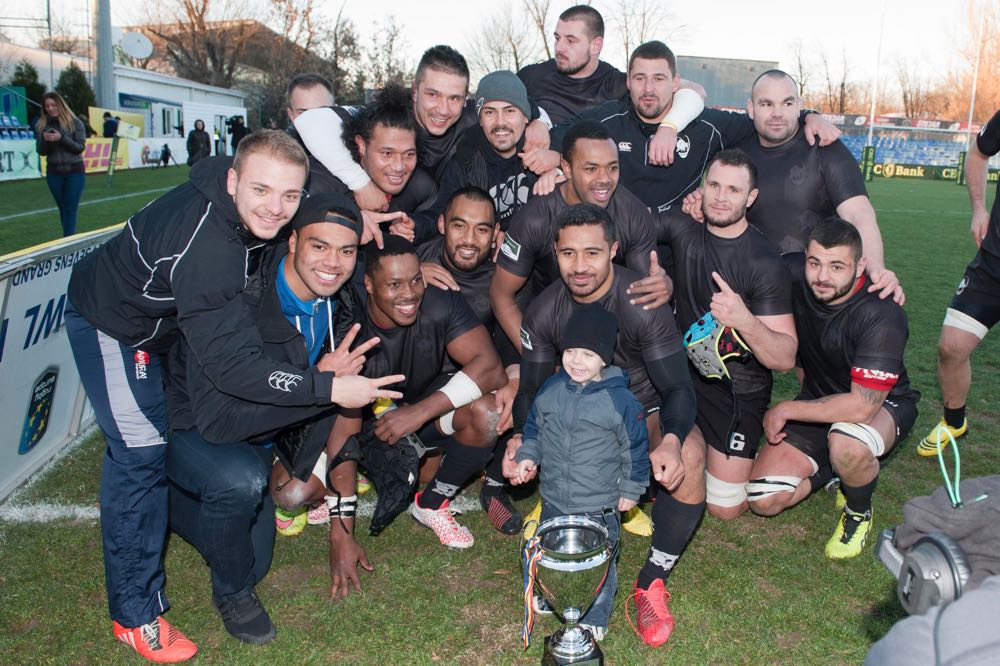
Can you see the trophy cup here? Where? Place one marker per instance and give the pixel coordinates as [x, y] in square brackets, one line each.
[573, 563]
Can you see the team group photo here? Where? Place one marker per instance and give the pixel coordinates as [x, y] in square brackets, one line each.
[499, 361]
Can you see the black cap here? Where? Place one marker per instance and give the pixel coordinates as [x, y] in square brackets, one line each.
[328, 207]
[594, 328]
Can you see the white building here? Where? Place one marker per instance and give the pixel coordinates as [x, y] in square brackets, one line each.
[161, 97]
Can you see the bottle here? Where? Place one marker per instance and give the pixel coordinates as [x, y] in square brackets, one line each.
[385, 405]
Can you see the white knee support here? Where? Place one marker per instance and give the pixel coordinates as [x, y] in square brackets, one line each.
[319, 469]
[863, 433]
[766, 486]
[723, 493]
[461, 390]
[963, 322]
[447, 423]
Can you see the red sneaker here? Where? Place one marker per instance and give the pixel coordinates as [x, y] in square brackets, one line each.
[653, 617]
[157, 641]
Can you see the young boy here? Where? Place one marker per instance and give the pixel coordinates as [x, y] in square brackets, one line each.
[588, 433]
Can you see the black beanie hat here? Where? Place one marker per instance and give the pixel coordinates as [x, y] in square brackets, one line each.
[328, 207]
[594, 328]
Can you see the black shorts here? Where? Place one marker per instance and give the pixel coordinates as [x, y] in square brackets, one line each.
[715, 414]
[811, 438]
[978, 297]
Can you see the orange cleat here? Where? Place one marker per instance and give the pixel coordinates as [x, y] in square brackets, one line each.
[157, 641]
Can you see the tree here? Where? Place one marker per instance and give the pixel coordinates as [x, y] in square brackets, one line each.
[26, 76]
[503, 41]
[538, 12]
[383, 60]
[75, 89]
[800, 67]
[639, 21]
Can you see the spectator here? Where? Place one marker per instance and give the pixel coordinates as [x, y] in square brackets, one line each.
[239, 130]
[199, 144]
[110, 126]
[61, 138]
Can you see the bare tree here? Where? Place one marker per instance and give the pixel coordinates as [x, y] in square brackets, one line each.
[639, 21]
[538, 12]
[503, 42]
[342, 52]
[913, 89]
[383, 60]
[800, 66]
[983, 27]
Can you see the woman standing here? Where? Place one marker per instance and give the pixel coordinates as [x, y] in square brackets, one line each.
[61, 137]
[199, 144]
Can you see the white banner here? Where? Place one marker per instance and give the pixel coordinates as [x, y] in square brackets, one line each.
[18, 159]
[41, 398]
[148, 151]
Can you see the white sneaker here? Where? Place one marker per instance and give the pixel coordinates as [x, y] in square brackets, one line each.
[597, 632]
[541, 605]
[447, 529]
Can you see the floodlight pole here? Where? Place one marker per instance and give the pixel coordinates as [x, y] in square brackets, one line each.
[975, 80]
[48, 23]
[878, 62]
[105, 77]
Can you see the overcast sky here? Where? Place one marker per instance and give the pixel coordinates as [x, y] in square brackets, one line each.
[923, 31]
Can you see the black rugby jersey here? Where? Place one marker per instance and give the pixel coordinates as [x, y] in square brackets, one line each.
[420, 349]
[988, 257]
[660, 187]
[749, 263]
[563, 97]
[527, 249]
[643, 335]
[860, 341]
[799, 185]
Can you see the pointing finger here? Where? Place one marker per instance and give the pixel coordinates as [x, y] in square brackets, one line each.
[723, 285]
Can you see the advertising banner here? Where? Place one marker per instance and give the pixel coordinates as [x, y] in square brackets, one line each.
[97, 155]
[148, 152]
[41, 401]
[96, 116]
[894, 170]
[19, 160]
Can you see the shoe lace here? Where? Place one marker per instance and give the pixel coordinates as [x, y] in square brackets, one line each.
[852, 521]
[646, 610]
[151, 634]
[241, 606]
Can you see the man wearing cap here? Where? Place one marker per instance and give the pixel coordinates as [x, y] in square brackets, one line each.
[217, 463]
[489, 156]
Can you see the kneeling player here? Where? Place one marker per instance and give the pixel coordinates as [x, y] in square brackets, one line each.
[419, 328]
[856, 401]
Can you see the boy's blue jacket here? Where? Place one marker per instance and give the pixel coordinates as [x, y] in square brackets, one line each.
[590, 441]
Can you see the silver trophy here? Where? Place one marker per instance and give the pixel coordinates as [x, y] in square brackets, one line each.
[575, 556]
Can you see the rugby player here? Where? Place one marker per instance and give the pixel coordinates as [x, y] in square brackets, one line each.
[975, 308]
[728, 269]
[856, 402]
[649, 350]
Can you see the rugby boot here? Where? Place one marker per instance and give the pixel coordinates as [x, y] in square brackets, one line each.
[928, 446]
[635, 521]
[850, 535]
[157, 641]
[443, 523]
[501, 511]
[654, 621]
[290, 523]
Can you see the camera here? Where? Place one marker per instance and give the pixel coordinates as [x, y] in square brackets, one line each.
[933, 571]
[234, 120]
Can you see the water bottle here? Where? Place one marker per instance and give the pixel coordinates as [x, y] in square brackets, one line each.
[384, 406]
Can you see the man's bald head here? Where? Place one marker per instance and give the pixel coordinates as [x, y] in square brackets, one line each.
[774, 107]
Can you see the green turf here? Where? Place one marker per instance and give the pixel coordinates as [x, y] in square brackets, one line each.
[753, 591]
[24, 196]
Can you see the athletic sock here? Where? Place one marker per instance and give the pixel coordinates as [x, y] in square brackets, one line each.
[493, 478]
[954, 417]
[859, 499]
[674, 524]
[820, 478]
[460, 464]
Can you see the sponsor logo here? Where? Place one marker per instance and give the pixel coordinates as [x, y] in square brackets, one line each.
[875, 375]
[683, 146]
[511, 248]
[962, 285]
[526, 340]
[283, 381]
[141, 361]
[625, 146]
[36, 421]
[898, 170]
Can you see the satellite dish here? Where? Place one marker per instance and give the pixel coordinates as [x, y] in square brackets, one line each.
[137, 45]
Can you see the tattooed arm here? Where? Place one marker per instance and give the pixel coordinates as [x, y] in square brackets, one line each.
[859, 406]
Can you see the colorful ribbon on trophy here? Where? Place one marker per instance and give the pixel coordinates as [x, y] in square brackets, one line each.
[531, 554]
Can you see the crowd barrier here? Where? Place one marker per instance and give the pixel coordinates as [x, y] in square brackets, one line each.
[42, 403]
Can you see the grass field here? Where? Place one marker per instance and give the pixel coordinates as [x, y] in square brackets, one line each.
[752, 591]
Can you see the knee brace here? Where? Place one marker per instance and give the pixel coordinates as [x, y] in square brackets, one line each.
[342, 507]
[766, 486]
[863, 433]
[724, 493]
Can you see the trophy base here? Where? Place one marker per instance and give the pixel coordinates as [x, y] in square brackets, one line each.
[549, 658]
